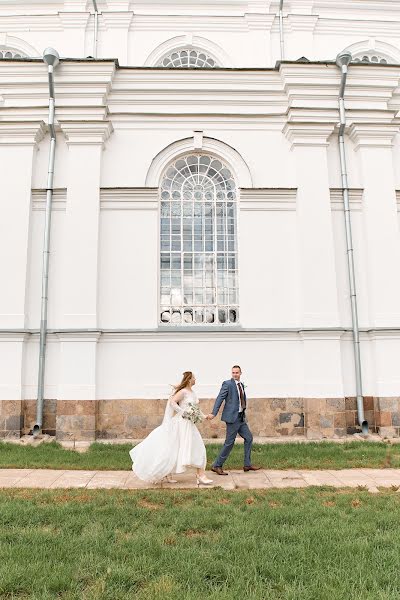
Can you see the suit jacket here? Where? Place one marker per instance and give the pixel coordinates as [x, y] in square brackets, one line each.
[230, 396]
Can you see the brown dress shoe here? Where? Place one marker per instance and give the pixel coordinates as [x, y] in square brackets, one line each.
[218, 471]
[251, 468]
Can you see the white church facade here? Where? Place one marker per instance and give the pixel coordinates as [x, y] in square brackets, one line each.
[197, 214]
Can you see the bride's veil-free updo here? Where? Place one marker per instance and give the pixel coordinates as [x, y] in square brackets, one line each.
[187, 376]
[169, 411]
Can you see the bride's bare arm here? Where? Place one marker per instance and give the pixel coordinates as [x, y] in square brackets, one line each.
[175, 400]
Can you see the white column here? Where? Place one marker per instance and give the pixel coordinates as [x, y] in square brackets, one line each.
[80, 256]
[318, 301]
[373, 144]
[17, 147]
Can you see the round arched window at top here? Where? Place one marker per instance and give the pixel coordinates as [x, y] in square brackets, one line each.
[370, 58]
[6, 52]
[188, 58]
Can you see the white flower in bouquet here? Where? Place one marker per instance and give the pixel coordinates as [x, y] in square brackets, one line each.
[193, 413]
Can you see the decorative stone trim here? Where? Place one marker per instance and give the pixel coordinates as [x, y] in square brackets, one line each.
[21, 133]
[129, 199]
[297, 22]
[377, 135]
[308, 134]
[398, 200]
[86, 133]
[59, 199]
[256, 199]
[355, 199]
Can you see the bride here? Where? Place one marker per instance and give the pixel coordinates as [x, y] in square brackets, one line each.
[176, 444]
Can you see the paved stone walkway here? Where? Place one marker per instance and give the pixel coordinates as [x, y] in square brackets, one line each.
[372, 479]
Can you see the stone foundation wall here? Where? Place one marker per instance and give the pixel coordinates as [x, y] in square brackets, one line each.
[29, 416]
[314, 418]
[11, 419]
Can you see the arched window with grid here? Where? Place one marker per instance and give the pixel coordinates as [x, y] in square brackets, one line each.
[198, 243]
[6, 52]
[188, 58]
[370, 57]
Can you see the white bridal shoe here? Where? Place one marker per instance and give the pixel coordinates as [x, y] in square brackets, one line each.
[204, 480]
[168, 479]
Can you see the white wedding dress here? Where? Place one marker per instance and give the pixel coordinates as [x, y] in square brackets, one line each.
[172, 447]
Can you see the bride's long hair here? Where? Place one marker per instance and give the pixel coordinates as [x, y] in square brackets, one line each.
[187, 376]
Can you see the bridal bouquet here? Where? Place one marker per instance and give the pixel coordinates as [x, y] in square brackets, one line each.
[193, 414]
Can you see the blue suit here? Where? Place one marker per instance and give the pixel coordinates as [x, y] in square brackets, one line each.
[235, 422]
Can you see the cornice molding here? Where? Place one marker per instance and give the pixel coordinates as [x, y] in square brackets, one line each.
[308, 134]
[86, 133]
[59, 202]
[300, 22]
[375, 135]
[87, 336]
[355, 199]
[261, 199]
[260, 21]
[129, 199]
[116, 20]
[74, 20]
[398, 200]
[191, 22]
[22, 133]
[358, 27]
[30, 22]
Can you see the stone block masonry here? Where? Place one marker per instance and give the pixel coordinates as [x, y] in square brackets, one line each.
[314, 418]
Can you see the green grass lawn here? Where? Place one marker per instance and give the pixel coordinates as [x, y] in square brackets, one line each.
[317, 455]
[307, 544]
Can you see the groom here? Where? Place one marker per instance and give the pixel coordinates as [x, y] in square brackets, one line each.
[234, 414]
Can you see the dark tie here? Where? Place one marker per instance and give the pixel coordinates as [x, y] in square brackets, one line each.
[242, 400]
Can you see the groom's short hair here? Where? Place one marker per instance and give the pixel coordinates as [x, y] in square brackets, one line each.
[236, 367]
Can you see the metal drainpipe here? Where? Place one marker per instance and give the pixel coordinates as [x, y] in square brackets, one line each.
[342, 61]
[281, 29]
[96, 28]
[51, 58]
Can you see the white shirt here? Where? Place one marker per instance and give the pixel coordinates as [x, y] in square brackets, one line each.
[238, 391]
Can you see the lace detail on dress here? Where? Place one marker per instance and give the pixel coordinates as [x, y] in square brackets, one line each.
[188, 398]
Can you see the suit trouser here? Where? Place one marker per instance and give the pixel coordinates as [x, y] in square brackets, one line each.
[232, 429]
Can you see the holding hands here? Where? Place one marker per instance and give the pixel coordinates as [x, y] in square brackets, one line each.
[210, 417]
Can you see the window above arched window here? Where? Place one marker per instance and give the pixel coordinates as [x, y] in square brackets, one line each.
[6, 52]
[188, 58]
[198, 244]
[370, 57]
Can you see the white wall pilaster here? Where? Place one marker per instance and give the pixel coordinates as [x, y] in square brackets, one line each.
[316, 257]
[373, 143]
[80, 257]
[17, 147]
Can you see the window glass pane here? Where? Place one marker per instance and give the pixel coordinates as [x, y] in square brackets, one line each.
[198, 243]
[188, 58]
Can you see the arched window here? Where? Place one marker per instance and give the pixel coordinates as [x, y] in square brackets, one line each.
[188, 58]
[199, 270]
[6, 52]
[369, 57]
